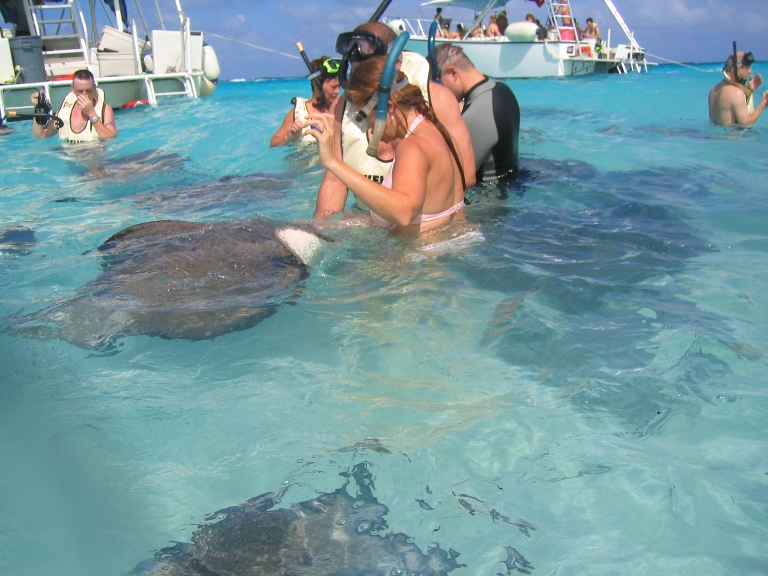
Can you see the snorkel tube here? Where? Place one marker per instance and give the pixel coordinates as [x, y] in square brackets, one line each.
[385, 87]
[312, 75]
[434, 71]
[345, 57]
[380, 10]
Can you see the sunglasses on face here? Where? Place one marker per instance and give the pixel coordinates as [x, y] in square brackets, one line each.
[359, 46]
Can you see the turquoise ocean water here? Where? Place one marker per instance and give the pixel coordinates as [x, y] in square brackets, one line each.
[594, 371]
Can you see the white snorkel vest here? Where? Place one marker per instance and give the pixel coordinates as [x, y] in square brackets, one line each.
[88, 133]
[354, 134]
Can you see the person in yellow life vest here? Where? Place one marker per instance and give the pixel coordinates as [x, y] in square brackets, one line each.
[85, 113]
[731, 102]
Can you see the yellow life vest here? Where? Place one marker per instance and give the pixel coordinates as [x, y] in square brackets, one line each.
[88, 133]
[354, 135]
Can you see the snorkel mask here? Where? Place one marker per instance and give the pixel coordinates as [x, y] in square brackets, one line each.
[382, 95]
[746, 61]
[356, 47]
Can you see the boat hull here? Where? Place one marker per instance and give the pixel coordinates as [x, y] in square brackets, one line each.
[120, 91]
[504, 59]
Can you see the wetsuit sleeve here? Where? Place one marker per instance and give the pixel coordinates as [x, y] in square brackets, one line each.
[482, 129]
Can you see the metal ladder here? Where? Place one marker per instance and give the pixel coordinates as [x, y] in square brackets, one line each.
[60, 26]
[152, 93]
[561, 15]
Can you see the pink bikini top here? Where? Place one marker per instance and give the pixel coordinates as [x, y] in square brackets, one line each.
[387, 183]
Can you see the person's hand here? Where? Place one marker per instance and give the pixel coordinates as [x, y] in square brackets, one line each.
[35, 98]
[755, 82]
[322, 128]
[86, 105]
[294, 129]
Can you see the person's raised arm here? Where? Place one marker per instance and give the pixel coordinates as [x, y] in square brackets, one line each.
[332, 195]
[287, 131]
[38, 130]
[107, 128]
[740, 112]
[399, 204]
[448, 112]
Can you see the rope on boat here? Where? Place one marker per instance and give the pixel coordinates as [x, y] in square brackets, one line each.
[253, 45]
[674, 62]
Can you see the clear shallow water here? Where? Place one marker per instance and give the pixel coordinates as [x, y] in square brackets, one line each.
[595, 368]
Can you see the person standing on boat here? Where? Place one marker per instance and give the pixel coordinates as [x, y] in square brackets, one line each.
[351, 131]
[490, 111]
[325, 90]
[731, 102]
[86, 115]
[592, 30]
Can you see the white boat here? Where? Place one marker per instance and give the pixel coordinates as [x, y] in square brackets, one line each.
[519, 53]
[45, 41]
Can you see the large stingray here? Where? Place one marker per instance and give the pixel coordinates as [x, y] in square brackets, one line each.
[332, 534]
[178, 279]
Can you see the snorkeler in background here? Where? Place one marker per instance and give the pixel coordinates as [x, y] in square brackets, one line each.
[325, 91]
[731, 102]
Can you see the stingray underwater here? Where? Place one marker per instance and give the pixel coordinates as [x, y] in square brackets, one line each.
[175, 279]
[332, 534]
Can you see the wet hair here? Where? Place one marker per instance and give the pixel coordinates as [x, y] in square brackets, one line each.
[364, 82]
[378, 29]
[84, 74]
[317, 84]
[448, 54]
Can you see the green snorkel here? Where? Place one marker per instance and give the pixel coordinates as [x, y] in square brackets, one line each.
[382, 95]
[434, 71]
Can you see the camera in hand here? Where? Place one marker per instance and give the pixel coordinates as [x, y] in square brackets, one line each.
[43, 107]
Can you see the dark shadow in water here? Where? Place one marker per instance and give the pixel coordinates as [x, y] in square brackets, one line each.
[331, 534]
[175, 279]
[591, 286]
[17, 241]
[225, 192]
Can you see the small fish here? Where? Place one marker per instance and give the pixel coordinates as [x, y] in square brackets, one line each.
[516, 561]
[423, 504]
[468, 506]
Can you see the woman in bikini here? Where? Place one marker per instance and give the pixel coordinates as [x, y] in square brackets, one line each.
[424, 186]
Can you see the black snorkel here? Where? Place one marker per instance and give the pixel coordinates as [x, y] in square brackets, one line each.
[345, 56]
[312, 76]
[380, 10]
[735, 62]
[434, 71]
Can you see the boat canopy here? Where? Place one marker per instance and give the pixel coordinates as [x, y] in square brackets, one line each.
[476, 5]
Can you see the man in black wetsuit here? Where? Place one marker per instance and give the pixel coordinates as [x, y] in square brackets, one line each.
[490, 111]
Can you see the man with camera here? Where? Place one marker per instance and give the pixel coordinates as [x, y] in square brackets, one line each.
[85, 115]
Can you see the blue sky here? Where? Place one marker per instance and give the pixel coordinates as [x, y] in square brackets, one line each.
[678, 30]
